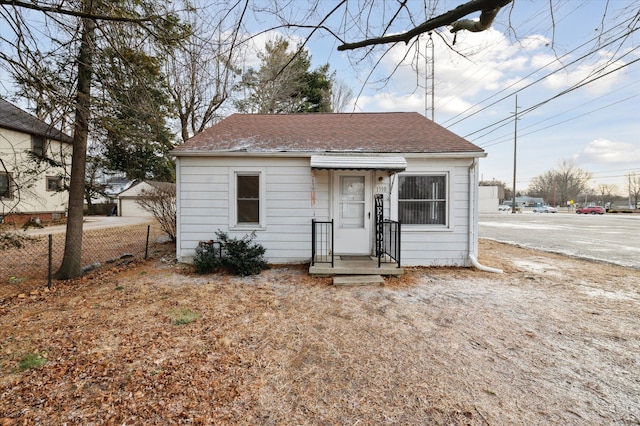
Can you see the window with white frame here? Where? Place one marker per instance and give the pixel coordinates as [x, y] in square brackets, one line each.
[248, 198]
[422, 199]
[54, 183]
[39, 145]
[6, 185]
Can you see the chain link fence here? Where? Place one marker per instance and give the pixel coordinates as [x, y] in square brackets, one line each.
[35, 256]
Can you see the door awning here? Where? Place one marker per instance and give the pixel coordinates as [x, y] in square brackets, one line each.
[358, 162]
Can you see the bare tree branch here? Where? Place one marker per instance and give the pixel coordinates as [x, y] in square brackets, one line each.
[489, 9]
[77, 13]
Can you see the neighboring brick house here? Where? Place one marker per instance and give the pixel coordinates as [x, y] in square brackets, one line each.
[30, 183]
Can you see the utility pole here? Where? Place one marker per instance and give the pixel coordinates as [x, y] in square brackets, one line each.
[515, 150]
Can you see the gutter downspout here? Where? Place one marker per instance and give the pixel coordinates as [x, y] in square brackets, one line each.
[472, 222]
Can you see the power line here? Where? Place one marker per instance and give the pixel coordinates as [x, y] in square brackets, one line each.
[562, 93]
[626, 34]
[489, 143]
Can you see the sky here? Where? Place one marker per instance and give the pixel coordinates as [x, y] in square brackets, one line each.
[537, 53]
[595, 126]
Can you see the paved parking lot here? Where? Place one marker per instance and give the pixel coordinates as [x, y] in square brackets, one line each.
[611, 238]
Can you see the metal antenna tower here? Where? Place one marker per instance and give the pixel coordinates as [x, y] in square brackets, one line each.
[429, 77]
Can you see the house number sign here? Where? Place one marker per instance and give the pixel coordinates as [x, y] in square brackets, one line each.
[382, 188]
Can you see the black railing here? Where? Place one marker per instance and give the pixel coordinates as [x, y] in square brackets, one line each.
[213, 247]
[387, 235]
[390, 241]
[322, 242]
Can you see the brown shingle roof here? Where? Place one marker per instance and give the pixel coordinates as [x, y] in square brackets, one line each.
[12, 117]
[399, 132]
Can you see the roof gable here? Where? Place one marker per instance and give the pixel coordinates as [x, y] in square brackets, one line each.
[12, 117]
[393, 132]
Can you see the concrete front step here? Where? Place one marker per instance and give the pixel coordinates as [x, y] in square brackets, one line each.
[354, 267]
[354, 280]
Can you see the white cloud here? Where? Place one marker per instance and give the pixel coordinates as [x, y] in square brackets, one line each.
[607, 152]
[391, 102]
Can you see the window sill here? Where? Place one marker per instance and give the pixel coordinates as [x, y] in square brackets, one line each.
[426, 228]
[247, 228]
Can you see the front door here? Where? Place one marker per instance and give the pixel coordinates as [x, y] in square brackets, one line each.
[352, 212]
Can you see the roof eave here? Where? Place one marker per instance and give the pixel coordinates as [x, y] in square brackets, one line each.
[48, 136]
[446, 154]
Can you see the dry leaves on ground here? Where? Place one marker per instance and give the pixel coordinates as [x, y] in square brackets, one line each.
[553, 340]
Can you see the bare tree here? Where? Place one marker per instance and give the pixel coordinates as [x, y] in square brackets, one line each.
[76, 28]
[633, 188]
[607, 193]
[565, 183]
[341, 95]
[160, 201]
[203, 70]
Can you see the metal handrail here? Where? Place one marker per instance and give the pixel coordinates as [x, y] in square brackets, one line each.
[322, 242]
[391, 234]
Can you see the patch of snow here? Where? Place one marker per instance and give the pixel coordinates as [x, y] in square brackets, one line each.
[538, 267]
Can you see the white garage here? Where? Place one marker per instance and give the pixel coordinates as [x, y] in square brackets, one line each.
[127, 205]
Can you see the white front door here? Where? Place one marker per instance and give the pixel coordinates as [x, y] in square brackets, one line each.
[352, 212]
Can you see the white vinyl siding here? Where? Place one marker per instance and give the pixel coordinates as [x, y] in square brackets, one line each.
[289, 199]
[293, 194]
[437, 244]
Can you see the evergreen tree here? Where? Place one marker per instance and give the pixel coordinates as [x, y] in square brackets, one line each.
[284, 84]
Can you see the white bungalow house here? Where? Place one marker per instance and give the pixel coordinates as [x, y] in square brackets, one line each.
[30, 183]
[316, 187]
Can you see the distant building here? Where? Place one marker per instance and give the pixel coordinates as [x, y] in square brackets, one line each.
[31, 186]
[527, 202]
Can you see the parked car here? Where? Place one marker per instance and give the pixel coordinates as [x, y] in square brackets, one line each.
[504, 208]
[544, 209]
[590, 210]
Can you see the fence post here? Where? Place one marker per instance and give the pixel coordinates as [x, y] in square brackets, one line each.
[50, 260]
[146, 247]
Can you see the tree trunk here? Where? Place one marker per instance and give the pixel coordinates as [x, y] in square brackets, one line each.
[71, 266]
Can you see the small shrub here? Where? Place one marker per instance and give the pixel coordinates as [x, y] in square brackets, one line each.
[207, 258]
[29, 361]
[239, 256]
[182, 316]
[242, 256]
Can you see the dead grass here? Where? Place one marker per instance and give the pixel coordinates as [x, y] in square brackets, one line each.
[27, 267]
[554, 340]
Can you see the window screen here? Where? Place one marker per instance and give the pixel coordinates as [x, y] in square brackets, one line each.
[248, 198]
[422, 200]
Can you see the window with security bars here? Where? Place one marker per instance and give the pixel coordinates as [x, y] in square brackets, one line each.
[422, 200]
[248, 199]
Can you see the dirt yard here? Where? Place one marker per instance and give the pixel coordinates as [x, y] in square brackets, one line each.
[553, 340]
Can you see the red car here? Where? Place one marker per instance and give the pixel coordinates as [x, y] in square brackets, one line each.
[591, 210]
